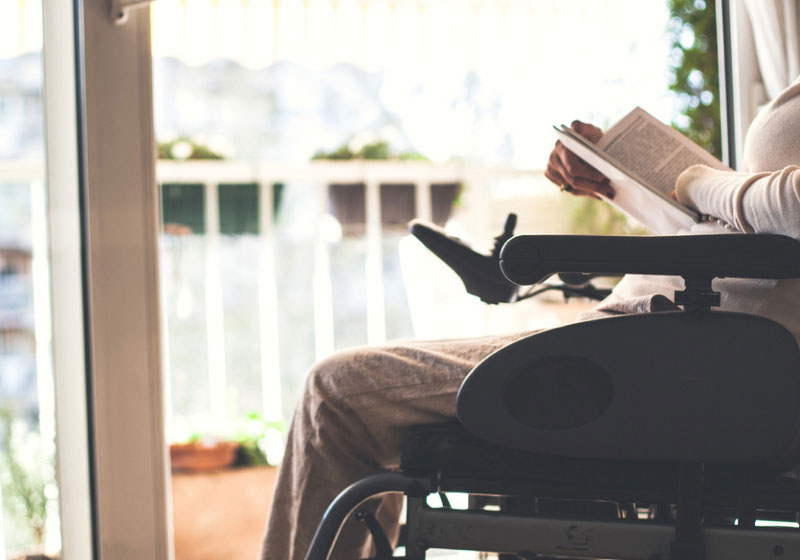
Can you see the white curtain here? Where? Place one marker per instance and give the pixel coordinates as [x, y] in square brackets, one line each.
[776, 35]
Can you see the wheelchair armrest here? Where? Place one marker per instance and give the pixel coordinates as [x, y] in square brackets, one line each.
[529, 259]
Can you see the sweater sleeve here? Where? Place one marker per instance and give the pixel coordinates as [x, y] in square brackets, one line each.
[753, 202]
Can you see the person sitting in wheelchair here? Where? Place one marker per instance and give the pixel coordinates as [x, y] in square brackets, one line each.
[358, 404]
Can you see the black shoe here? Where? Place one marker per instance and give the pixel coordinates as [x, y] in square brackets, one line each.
[480, 273]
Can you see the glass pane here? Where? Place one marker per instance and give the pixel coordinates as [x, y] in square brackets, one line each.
[298, 138]
[29, 522]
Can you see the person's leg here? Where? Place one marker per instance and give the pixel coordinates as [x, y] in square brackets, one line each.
[349, 424]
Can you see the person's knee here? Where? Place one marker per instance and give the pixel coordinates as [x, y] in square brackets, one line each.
[345, 373]
[331, 413]
[325, 404]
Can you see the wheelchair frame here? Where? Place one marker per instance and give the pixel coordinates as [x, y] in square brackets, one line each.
[524, 536]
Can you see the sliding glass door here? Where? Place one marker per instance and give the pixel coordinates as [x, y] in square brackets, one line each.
[80, 389]
[44, 476]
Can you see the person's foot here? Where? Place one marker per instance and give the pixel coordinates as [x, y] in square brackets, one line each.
[480, 273]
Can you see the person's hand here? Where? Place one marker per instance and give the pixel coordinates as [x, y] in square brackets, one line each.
[574, 175]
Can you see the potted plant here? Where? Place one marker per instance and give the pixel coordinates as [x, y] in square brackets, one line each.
[260, 441]
[202, 454]
[253, 441]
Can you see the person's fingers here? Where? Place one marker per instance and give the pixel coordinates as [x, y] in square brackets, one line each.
[567, 167]
[588, 131]
[573, 174]
[575, 166]
[583, 186]
[576, 185]
[575, 191]
[555, 176]
[558, 179]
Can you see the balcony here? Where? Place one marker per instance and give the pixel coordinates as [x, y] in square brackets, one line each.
[265, 268]
[306, 259]
[285, 264]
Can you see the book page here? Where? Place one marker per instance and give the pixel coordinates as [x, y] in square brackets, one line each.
[653, 151]
[659, 213]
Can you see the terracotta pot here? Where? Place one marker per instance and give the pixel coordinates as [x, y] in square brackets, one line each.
[31, 556]
[198, 456]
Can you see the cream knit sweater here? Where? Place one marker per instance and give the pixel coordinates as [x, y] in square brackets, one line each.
[764, 197]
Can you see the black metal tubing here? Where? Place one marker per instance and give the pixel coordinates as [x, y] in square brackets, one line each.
[383, 548]
[688, 543]
[351, 497]
[575, 537]
[745, 495]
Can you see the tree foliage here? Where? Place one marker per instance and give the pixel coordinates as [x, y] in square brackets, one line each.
[25, 471]
[695, 71]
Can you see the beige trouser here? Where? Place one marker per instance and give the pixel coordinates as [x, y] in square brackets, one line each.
[350, 422]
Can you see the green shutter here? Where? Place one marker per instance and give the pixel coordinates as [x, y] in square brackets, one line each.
[184, 204]
[238, 208]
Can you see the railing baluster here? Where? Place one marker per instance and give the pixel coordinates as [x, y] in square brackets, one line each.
[423, 203]
[320, 174]
[323, 297]
[376, 315]
[269, 336]
[215, 325]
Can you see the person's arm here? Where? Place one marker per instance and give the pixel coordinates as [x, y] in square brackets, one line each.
[753, 202]
[571, 173]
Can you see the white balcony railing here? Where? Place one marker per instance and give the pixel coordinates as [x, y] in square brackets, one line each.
[316, 176]
[481, 206]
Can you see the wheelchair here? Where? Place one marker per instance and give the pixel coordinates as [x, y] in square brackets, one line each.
[656, 436]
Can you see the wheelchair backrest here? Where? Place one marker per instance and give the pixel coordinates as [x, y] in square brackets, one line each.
[715, 387]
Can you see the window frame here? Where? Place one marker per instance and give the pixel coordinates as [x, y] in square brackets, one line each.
[66, 281]
[119, 239]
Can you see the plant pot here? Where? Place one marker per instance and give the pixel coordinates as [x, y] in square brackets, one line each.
[31, 555]
[199, 456]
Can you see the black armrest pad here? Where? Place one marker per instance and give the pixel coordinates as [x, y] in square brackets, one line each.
[529, 259]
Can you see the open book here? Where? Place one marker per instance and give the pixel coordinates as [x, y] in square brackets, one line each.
[642, 157]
